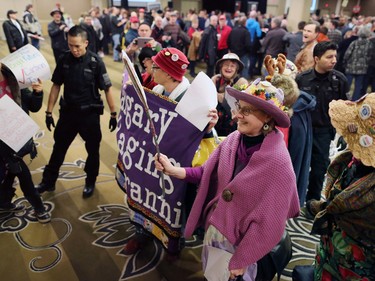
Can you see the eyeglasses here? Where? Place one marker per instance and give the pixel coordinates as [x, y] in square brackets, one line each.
[245, 111]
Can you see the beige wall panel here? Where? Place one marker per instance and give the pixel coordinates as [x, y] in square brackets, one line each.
[186, 5]
[298, 11]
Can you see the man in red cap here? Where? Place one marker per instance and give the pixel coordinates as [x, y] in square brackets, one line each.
[141, 15]
[223, 31]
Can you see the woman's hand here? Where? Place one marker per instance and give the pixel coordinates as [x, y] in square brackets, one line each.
[164, 165]
[214, 118]
[236, 272]
[37, 86]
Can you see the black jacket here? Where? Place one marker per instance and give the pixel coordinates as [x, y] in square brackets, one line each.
[239, 41]
[325, 88]
[13, 35]
[58, 36]
[208, 45]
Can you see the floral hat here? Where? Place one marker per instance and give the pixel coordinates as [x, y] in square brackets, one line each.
[264, 96]
[355, 121]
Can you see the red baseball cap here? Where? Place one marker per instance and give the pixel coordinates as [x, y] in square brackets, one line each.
[134, 19]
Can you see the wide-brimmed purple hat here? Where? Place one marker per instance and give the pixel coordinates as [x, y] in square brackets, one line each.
[264, 96]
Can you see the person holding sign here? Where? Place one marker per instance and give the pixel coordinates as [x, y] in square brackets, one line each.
[83, 73]
[169, 66]
[248, 173]
[11, 162]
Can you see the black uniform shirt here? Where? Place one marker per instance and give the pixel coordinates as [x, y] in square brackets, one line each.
[325, 87]
[82, 77]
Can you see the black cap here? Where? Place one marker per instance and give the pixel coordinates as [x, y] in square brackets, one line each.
[10, 12]
[146, 52]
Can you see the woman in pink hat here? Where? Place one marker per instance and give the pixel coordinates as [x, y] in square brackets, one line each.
[247, 188]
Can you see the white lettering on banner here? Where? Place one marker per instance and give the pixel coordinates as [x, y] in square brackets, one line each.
[138, 112]
[128, 106]
[134, 155]
[137, 115]
[150, 202]
[150, 195]
[163, 124]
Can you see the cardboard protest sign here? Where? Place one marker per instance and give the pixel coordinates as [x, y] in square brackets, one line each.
[27, 65]
[16, 126]
[136, 173]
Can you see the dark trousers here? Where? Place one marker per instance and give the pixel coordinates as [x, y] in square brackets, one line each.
[87, 125]
[253, 61]
[35, 42]
[27, 186]
[369, 79]
[105, 42]
[192, 67]
[319, 161]
[210, 70]
[359, 82]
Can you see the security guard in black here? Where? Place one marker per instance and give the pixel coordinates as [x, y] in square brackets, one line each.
[326, 84]
[82, 73]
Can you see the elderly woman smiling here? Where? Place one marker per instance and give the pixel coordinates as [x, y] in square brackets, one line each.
[247, 186]
[227, 69]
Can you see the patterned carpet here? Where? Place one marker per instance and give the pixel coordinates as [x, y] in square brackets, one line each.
[85, 238]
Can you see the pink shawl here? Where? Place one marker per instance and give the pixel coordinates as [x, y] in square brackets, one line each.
[264, 197]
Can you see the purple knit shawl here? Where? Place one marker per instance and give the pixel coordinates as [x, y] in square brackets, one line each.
[264, 197]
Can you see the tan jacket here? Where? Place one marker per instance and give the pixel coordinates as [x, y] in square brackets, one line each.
[305, 59]
[194, 46]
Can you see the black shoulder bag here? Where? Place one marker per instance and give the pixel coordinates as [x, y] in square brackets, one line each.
[276, 260]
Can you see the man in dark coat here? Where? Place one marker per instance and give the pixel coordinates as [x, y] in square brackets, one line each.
[240, 44]
[15, 34]
[57, 30]
[208, 46]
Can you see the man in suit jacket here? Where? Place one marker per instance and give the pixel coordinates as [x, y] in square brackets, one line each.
[15, 34]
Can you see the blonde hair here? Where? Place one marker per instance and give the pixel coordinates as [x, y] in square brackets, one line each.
[290, 89]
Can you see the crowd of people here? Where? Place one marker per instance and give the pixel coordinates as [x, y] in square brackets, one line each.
[278, 132]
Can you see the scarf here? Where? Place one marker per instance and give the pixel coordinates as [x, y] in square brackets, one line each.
[350, 200]
[177, 92]
[264, 197]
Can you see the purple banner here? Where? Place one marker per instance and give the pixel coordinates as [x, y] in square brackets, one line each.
[136, 172]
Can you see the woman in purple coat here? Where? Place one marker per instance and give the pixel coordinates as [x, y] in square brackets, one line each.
[247, 188]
